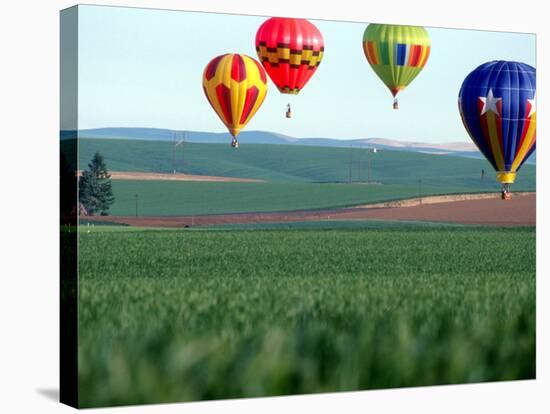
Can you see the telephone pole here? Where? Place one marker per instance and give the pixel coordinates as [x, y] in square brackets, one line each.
[173, 153]
[183, 151]
[359, 164]
[350, 162]
[368, 169]
[175, 144]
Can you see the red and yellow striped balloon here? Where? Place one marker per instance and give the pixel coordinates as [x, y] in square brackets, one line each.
[290, 50]
[236, 86]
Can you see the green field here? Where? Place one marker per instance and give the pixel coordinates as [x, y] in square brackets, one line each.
[297, 177]
[292, 163]
[354, 224]
[171, 198]
[185, 315]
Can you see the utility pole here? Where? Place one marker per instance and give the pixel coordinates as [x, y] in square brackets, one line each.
[173, 153]
[136, 195]
[350, 163]
[368, 169]
[359, 164]
[175, 144]
[183, 151]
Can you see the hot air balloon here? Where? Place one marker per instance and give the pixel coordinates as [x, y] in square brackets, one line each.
[497, 103]
[290, 51]
[235, 85]
[397, 54]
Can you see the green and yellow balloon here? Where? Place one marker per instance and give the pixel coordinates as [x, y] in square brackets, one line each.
[396, 53]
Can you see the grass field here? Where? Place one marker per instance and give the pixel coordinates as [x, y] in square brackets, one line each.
[185, 315]
[297, 163]
[336, 225]
[298, 177]
[171, 198]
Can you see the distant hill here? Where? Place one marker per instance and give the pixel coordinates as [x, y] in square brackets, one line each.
[299, 163]
[159, 134]
[463, 149]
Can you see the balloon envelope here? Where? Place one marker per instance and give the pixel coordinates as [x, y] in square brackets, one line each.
[497, 106]
[396, 53]
[236, 86]
[290, 51]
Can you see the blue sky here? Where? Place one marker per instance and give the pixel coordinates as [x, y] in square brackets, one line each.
[143, 68]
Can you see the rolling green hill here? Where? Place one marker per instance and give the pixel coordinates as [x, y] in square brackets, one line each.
[298, 163]
[172, 198]
[297, 177]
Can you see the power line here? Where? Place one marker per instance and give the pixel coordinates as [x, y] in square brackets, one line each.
[173, 152]
[175, 144]
[350, 162]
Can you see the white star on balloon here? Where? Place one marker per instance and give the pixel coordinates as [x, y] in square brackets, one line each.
[490, 103]
[533, 103]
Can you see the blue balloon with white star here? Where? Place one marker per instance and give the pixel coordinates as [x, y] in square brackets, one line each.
[497, 103]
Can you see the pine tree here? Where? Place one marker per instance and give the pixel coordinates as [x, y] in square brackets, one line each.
[95, 190]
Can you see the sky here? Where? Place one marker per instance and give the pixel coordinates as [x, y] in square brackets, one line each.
[143, 68]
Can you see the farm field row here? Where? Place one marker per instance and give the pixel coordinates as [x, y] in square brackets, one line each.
[297, 163]
[172, 198]
[203, 314]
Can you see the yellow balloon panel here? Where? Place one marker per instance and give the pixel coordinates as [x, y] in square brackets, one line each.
[236, 86]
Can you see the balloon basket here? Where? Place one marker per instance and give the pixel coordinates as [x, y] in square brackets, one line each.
[235, 143]
[395, 104]
[506, 194]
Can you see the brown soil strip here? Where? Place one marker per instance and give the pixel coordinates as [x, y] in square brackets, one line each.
[519, 211]
[410, 202]
[151, 176]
